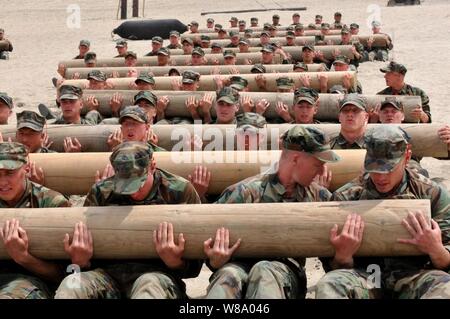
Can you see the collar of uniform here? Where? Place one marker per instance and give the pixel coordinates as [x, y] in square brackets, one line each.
[374, 194]
[274, 189]
[25, 200]
[342, 141]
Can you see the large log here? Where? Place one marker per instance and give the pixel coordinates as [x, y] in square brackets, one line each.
[241, 58]
[267, 230]
[379, 40]
[207, 81]
[73, 173]
[254, 29]
[202, 69]
[328, 109]
[213, 36]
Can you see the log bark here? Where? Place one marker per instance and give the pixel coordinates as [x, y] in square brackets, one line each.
[267, 230]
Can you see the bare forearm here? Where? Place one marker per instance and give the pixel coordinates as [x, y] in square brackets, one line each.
[441, 259]
[43, 269]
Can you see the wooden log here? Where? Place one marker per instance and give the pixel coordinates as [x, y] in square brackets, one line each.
[227, 167]
[379, 40]
[206, 31]
[328, 109]
[207, 81]
[202, 69]
[424, 137]
[214, 35]
[266, 229]
[241, 58]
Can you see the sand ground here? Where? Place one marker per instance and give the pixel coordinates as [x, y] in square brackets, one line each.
[41, 38]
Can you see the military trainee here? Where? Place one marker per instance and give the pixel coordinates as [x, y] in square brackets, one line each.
[387, 176]
[137, 181]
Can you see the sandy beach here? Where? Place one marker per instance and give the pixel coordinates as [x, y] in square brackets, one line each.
[41, 37]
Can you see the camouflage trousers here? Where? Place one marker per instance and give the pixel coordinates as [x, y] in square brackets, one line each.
[378, 55]
[17, 286]
[98, 284]
[265, 280]
[4, 55]
[353, 284]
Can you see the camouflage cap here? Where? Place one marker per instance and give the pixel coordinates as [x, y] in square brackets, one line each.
[337, 13]
[392, 101]
[147, 78]
[130, 161]
[309, 140]
[190, 76]
[290, 34]
[308, 47]
[194, 23]
[218, 26]
[70, 92]
[121, 44]
[238, 83]
[376, 24]
[268, 48]
[250, 121]
[163, 51]
[130, 54]
[296, 14]
[394, 67]
[248, 31]
[97, 75]
[85, 43]
[174, 33]
[174, 71]
[325, 26]
[229, 53]
[318, 16]
[385, 145]
[254, 19]
[301, 65]
[345, 30]
[233, 34]
[265, 33]
[337, 89]
[354, 99]
[284, 83]
[90, 57]
[146, 95]
[198, 51]
[216, 45]
[299, 26]
[290, 28]
[275, 16]
[233, 19]
[354, 26]
[222, 30]
[338, 25]
[30, 119]
[312, 26]
[157, 39]
[305, 94]
[12, 155]
[258, 68]
[134, 112]
[6, 99]
[210, 20]
[205, 38]
[228, 95]
[342, 59]
[242, 22]
[244, 41]
[188, 40]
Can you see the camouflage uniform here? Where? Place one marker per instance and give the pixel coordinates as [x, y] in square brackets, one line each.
[85, 43]
[228, 95]
[15, 281]
[4, 54]
[71, 92]
[134, 278]
[358, 46]
[276, 278]
[155, 39]
[34, 121]
[344, 60]
[380, 54]
[407, 89]
[402, 277]
[176, 46]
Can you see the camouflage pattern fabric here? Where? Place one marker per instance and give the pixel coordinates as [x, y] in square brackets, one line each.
[18, 286]
[91, 118]
[412, 91]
